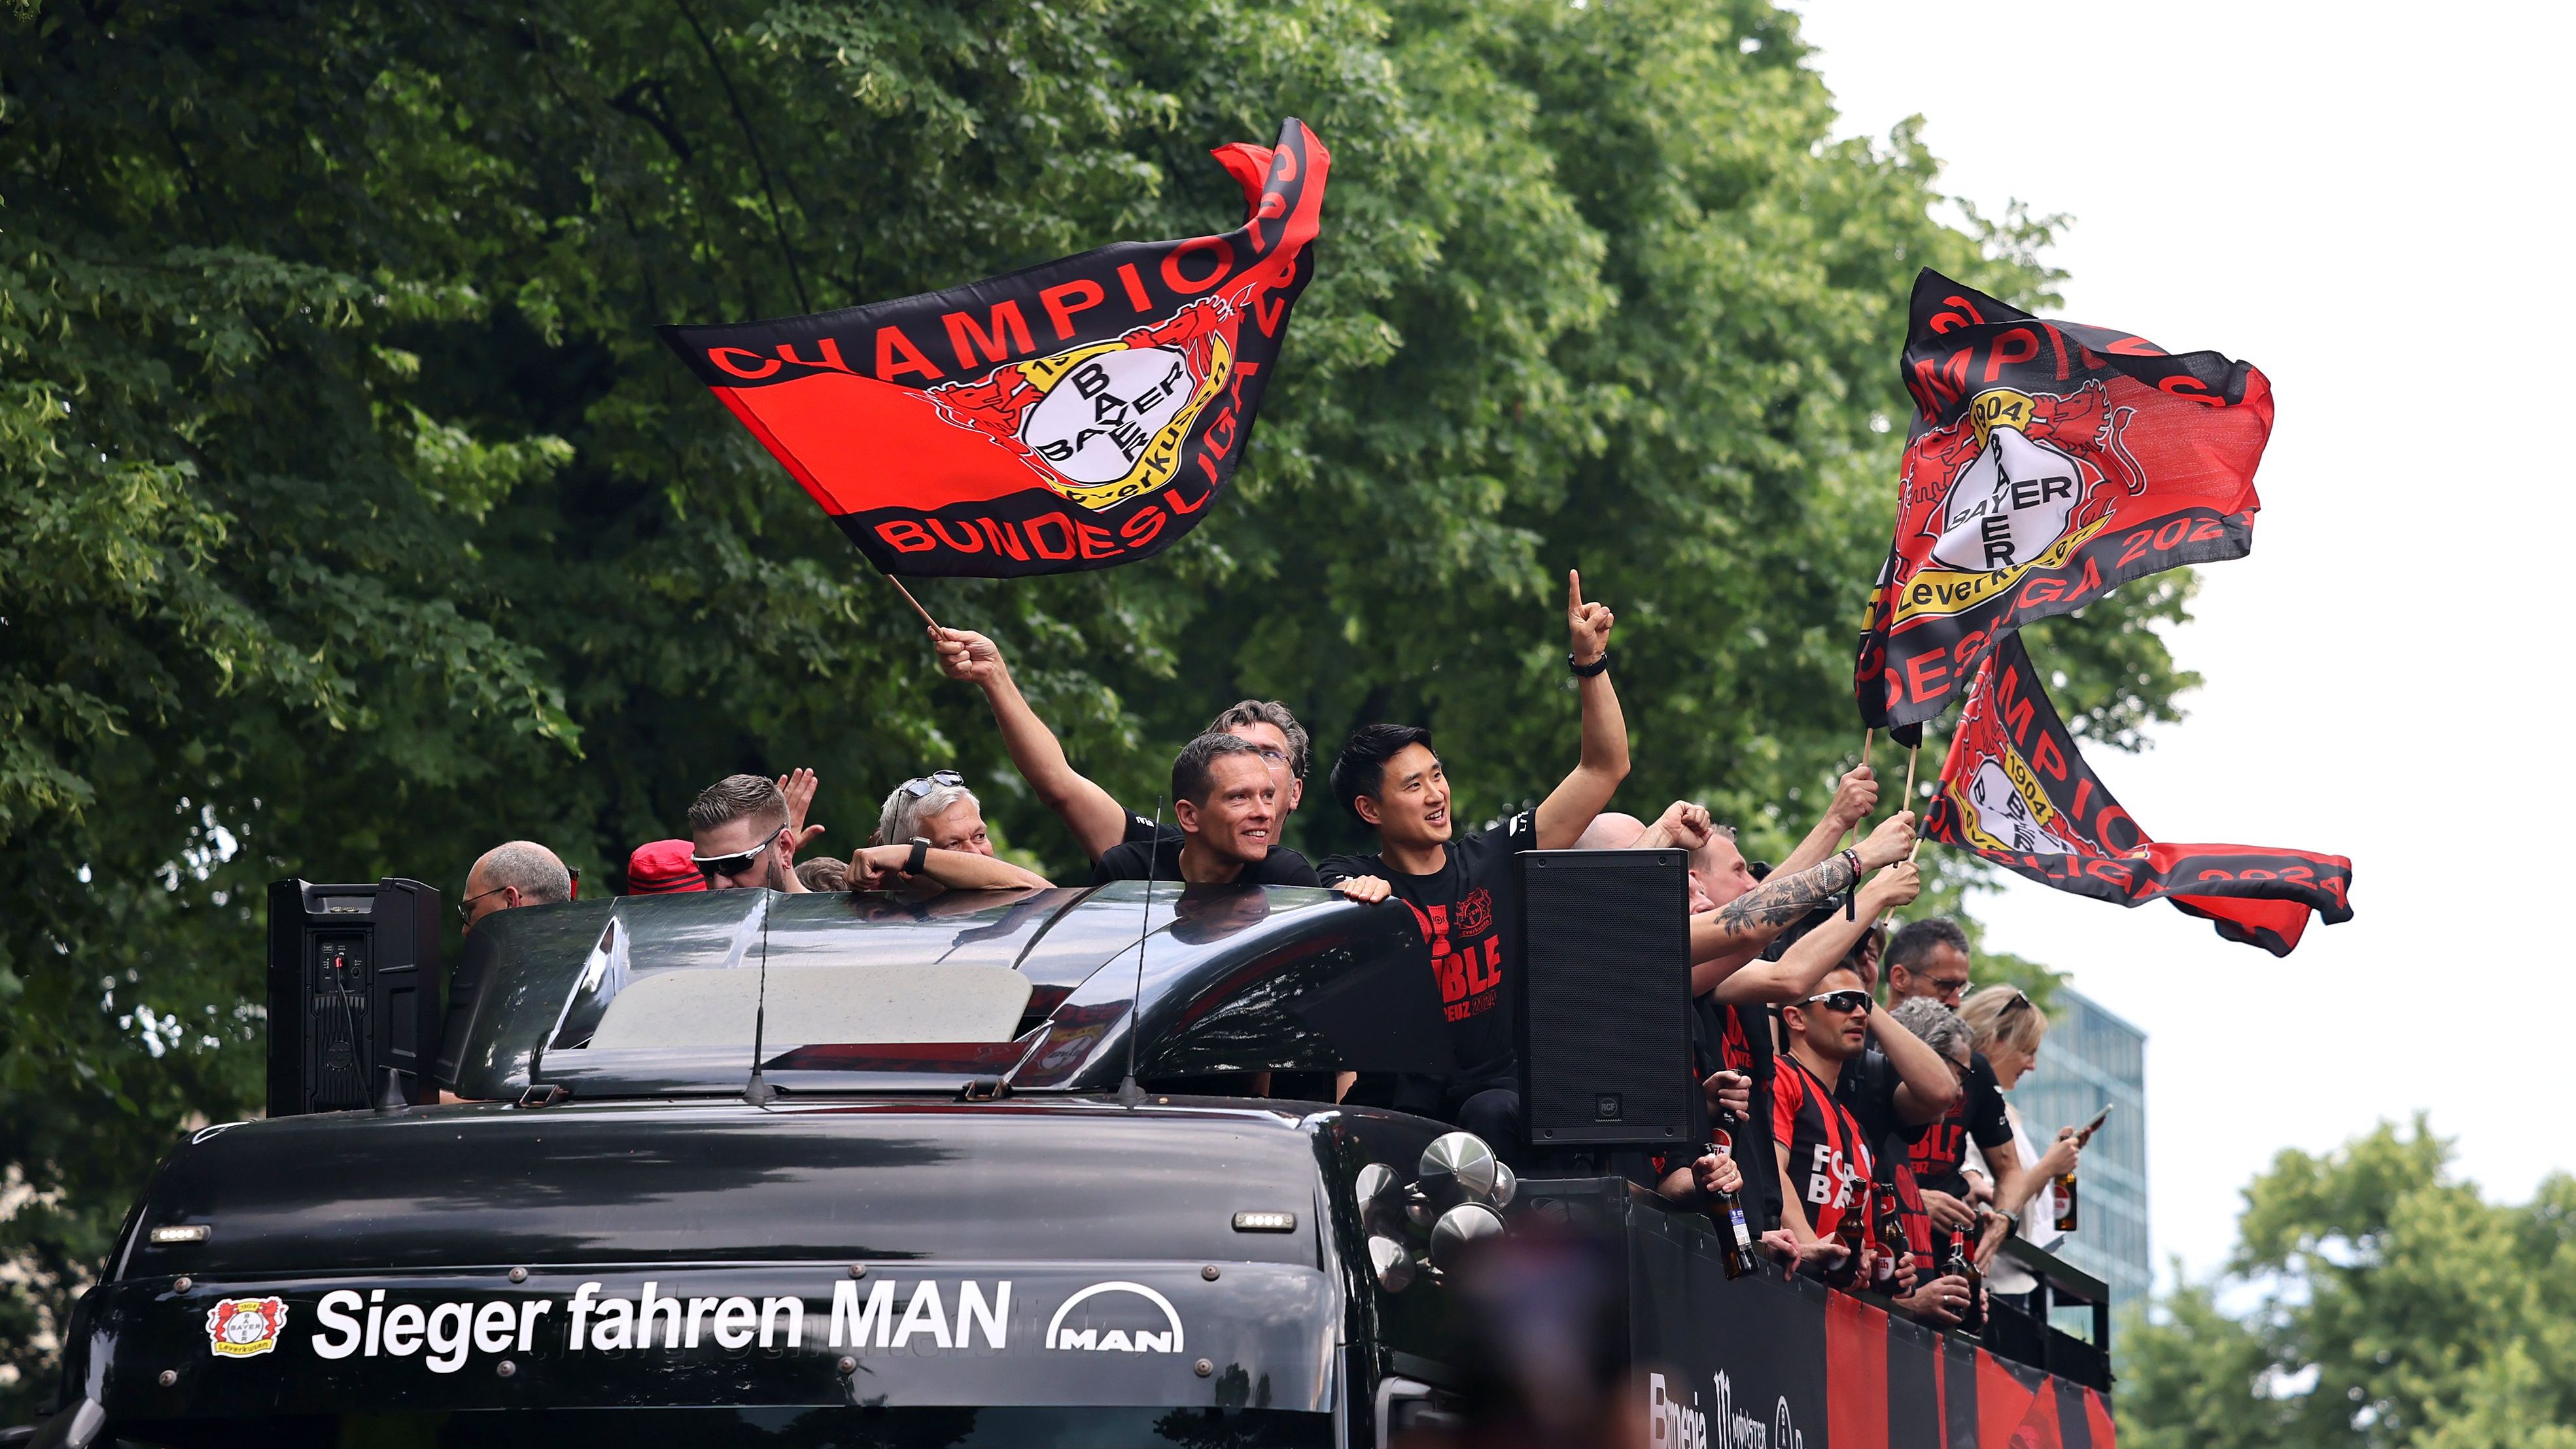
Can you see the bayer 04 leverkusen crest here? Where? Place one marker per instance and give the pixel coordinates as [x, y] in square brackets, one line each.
[2049, 462]
[2016, 791]
[1075, 415]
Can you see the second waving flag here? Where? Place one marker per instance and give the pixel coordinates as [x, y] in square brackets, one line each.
[2016, 791]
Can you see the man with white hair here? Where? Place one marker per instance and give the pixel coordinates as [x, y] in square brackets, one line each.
[936, 807]
[508, 876]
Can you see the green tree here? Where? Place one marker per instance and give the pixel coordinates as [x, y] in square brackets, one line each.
[2379, 1301]
[352, 520]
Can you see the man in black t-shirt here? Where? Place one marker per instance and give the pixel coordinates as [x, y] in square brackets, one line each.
[1460, 888]
[1226, 805]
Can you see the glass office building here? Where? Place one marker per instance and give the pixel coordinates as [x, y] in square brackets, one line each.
[2092, 1057]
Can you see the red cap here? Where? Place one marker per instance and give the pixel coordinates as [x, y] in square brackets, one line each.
[662, 868]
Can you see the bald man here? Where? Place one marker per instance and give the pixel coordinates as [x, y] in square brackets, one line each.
[520, 873]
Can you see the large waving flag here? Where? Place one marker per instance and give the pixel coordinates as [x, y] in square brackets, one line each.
[2049, 462]
[1076, 415]
[2017, 791]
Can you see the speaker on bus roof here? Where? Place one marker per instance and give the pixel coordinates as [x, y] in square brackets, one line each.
[353, 987]
[1604, 998]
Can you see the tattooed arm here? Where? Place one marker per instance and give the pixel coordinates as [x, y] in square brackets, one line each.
[1803, 965]
[1753, 918]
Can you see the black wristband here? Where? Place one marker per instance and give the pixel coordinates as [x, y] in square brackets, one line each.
[1586, 671]
[920, 856]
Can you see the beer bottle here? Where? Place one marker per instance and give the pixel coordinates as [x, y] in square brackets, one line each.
[2066, 1216]
[1890, 1222]
[1851, 1232]
[1958, 1263]
[1734, 1235]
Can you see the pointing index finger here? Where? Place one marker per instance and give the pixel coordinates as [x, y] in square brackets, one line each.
[1573, 590]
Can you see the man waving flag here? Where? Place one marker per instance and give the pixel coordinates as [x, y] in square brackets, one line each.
[2016, 791]
[1076, 415]
[2049, 462]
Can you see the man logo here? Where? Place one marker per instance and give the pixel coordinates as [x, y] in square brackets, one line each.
[1116, 1340]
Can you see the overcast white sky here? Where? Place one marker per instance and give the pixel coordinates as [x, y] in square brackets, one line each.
[2370, 203]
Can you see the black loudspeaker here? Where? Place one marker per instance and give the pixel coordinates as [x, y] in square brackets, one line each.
[1604, 998]
[353, 985]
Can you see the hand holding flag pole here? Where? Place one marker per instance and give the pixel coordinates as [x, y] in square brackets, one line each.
[1911, 756]
[1853, 834]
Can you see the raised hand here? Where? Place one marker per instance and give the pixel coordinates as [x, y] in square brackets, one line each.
[1587, 626]
[798, 786]
[1853, 798]
[1891, 842]
[1682, 823]
[1893, 887]
[967, 655]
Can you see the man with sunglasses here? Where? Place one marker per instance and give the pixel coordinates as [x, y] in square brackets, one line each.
[743, 841]
[1099, 822]
[1827, 1152]
[519, 873]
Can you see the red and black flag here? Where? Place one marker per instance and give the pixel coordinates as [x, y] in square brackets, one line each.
[2017, 791]
[1075, 415]
[2048, 463]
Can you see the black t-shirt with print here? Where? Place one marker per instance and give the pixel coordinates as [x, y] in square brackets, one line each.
[1977, 1114]
[1140, 830]
[1466, 911]
[1128, 861]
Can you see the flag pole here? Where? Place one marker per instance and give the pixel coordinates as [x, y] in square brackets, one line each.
[1915, 754]
[1866, 735]
[909, 599]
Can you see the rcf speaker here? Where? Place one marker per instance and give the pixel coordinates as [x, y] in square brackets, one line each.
[1603, 998]
[353, 985]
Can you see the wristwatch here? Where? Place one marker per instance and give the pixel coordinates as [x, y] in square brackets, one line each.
[1586, 671]
[920, 855]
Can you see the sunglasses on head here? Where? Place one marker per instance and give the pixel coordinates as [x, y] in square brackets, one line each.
[918, 788]
[1846, 1001]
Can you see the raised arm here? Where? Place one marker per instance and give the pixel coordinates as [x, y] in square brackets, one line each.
[1097, 821]
[1853, 797]
[1570, 807]
[1800, 967]
[1925, 1086]
[1783, 900]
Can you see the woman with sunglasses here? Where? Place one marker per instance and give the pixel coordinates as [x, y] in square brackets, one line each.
[2009, 1027]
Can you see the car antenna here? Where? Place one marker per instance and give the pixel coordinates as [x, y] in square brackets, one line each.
[757, 1091]
[1130, 1091]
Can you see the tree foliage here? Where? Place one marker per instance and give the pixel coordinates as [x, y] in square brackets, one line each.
[2373, 1300]
[351, 519]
